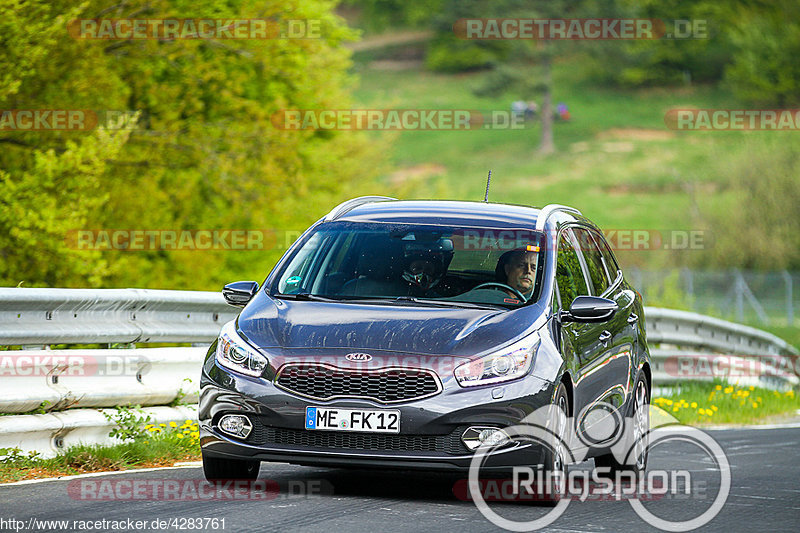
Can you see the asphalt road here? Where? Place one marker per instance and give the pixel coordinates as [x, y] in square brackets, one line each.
[764, 496]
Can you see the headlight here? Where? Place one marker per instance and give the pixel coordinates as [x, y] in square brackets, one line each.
[233, 352]
[509, 363]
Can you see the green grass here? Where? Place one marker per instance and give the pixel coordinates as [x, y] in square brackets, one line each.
[155, 445]
[790, 334]
[703, 403]
[616, 160]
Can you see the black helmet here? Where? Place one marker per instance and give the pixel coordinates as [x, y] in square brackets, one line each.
[425, 263]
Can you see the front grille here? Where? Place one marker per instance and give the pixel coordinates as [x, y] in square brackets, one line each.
[340, 440]
[387, 385]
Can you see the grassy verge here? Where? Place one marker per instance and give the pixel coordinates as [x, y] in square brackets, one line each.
[155, 445]
[699, 403]
[616, 159]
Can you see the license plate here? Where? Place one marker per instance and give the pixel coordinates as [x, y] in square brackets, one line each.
[368, 420]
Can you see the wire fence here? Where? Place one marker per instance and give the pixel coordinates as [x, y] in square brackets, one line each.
[749, 297]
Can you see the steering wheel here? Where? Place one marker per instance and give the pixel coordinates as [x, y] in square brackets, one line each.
[500, 286]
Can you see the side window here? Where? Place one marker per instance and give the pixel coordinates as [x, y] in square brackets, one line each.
[569, 275]
[608, 256]
[594, 260]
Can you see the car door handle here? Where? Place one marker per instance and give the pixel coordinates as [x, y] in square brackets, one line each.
[605, 337]
[633, 318]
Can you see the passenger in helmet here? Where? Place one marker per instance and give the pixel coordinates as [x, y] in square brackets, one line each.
[425, 264]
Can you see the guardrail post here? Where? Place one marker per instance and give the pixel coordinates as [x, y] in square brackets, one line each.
[789, 303]
[739, 288]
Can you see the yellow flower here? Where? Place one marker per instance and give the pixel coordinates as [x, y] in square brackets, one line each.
[752, 387]
[714, 407]
[675, 409]
[701, 411]
[718, 387]
[694, 405]
[196, 435]
[755, 405]
[180, 435]
[163, 425]
[173, 425]
[668, 402]
[745, 393]
[148, 426]
[188, 422]
[790, 394]
[728, 390]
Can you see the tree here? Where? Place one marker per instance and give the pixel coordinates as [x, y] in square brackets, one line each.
[204, 153]
[766, 43]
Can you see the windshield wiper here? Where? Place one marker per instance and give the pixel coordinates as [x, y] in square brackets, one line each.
[440, 303]
[303, 296]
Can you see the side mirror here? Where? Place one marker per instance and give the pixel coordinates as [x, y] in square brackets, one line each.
[239, 292]
[589, 309]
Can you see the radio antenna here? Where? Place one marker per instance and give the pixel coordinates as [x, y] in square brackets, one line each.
[488, 180]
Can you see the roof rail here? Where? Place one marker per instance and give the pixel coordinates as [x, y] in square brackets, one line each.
[548, 210]
[348, 205]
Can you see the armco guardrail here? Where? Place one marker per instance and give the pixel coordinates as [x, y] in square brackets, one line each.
[62, 381]
[54, 380]
[63, 316]
[689, 346]
[51, 433]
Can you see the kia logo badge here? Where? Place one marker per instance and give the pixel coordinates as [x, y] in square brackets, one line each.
[358, 357]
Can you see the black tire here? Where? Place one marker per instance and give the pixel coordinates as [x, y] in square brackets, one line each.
[554, 460]
[635, 464]
[220, 469]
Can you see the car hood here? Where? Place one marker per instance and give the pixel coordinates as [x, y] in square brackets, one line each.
[405, 328]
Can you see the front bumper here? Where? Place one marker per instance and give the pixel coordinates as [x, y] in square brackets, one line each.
[430, 428]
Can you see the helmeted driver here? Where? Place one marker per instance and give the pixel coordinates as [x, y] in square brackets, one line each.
[425, 264]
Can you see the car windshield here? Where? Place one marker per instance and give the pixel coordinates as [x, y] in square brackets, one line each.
[435, 265]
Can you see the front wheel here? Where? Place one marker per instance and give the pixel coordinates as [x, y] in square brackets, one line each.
[221, 469]
[637, 429]
[555, 455]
